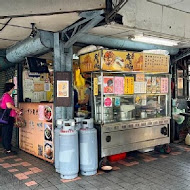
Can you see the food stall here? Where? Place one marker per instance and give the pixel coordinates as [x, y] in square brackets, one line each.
[37, 136]
[131, 104]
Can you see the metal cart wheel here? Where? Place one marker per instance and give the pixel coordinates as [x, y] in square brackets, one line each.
[100, 163]
[167, 148]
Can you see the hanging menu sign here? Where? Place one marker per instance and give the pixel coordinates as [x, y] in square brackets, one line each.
[140, 87]
[164, 85]
[140, 77]
[129, 85]
[108, 85]
[95, 86]
[119, 85]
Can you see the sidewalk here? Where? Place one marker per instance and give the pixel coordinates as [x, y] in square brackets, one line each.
[147, 171]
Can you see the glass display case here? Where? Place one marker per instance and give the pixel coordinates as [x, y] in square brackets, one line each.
[146, 99]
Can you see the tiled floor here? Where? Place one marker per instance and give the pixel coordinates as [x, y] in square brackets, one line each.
[139, 171]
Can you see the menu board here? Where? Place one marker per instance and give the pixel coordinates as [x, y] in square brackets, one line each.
[155, 63]
[164, 85]
[37, 137]
[140, 87]
[119, 85]
[129, 85]
[153, 84]
[95, 86]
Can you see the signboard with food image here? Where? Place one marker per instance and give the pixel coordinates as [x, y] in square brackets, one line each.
[90, 61]
[115, 60]
[109, 60]
[122, 61]
[37, 136]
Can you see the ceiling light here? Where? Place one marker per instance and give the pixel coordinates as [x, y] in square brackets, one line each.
[155, 40]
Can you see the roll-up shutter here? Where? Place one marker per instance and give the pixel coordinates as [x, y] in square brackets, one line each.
[10, 72]
[2, 81]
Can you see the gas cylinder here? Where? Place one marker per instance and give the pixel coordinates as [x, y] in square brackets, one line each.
[78, 122]
[88, 148]
[59, 124]
[68, 155]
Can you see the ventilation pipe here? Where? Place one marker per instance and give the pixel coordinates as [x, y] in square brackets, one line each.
[38, 45]
[123, 44]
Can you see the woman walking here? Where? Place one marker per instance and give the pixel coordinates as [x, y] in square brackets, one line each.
[7, 129]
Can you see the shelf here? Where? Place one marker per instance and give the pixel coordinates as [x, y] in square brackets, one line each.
[135, 94]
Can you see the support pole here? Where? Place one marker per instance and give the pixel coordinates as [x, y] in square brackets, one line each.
[62, 62]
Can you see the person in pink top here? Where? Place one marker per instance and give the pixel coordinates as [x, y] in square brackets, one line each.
[7, 129]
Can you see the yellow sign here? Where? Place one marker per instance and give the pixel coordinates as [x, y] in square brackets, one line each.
[95, 86]
[121, 61]
[126, 61]
[129, 85]
[155, 63]
[140, 78]
[90, 61]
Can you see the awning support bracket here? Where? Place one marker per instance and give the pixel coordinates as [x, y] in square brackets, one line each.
[72, 33]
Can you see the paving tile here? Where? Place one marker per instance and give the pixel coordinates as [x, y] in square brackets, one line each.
[70, 180]
[25, 164]
[13, 170]
[28, 173]
[6, 165]
[30, 183]
[18, 159]
[21, 176]
[46, 184]
[62, 186]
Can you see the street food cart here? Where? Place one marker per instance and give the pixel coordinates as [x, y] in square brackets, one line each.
[131, 99]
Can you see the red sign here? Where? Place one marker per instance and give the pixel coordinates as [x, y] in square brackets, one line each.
[107, 102]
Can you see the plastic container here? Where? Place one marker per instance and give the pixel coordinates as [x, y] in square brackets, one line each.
[116, 157]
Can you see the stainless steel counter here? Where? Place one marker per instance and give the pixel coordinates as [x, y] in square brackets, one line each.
[133, 135]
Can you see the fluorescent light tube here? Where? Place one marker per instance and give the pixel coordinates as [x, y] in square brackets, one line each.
[155, 40]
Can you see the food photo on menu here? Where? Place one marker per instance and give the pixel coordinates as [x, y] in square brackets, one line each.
[48, 132]
[48, 113]
[48, 150]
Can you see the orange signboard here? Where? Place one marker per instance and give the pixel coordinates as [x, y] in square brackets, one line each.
[37, 137]
[121, 61]
[124, 61]
[90, 61]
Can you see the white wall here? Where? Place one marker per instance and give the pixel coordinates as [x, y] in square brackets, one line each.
[157, 19]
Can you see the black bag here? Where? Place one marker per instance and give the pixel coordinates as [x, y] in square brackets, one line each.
[4, 115]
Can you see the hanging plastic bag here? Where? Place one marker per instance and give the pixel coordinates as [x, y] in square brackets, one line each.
[19, 121]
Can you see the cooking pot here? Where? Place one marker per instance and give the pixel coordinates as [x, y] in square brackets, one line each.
[122, 116]
[143, 114]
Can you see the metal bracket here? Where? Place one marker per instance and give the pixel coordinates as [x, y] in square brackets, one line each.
[181, 56]
[110, 16]
[72, 33]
